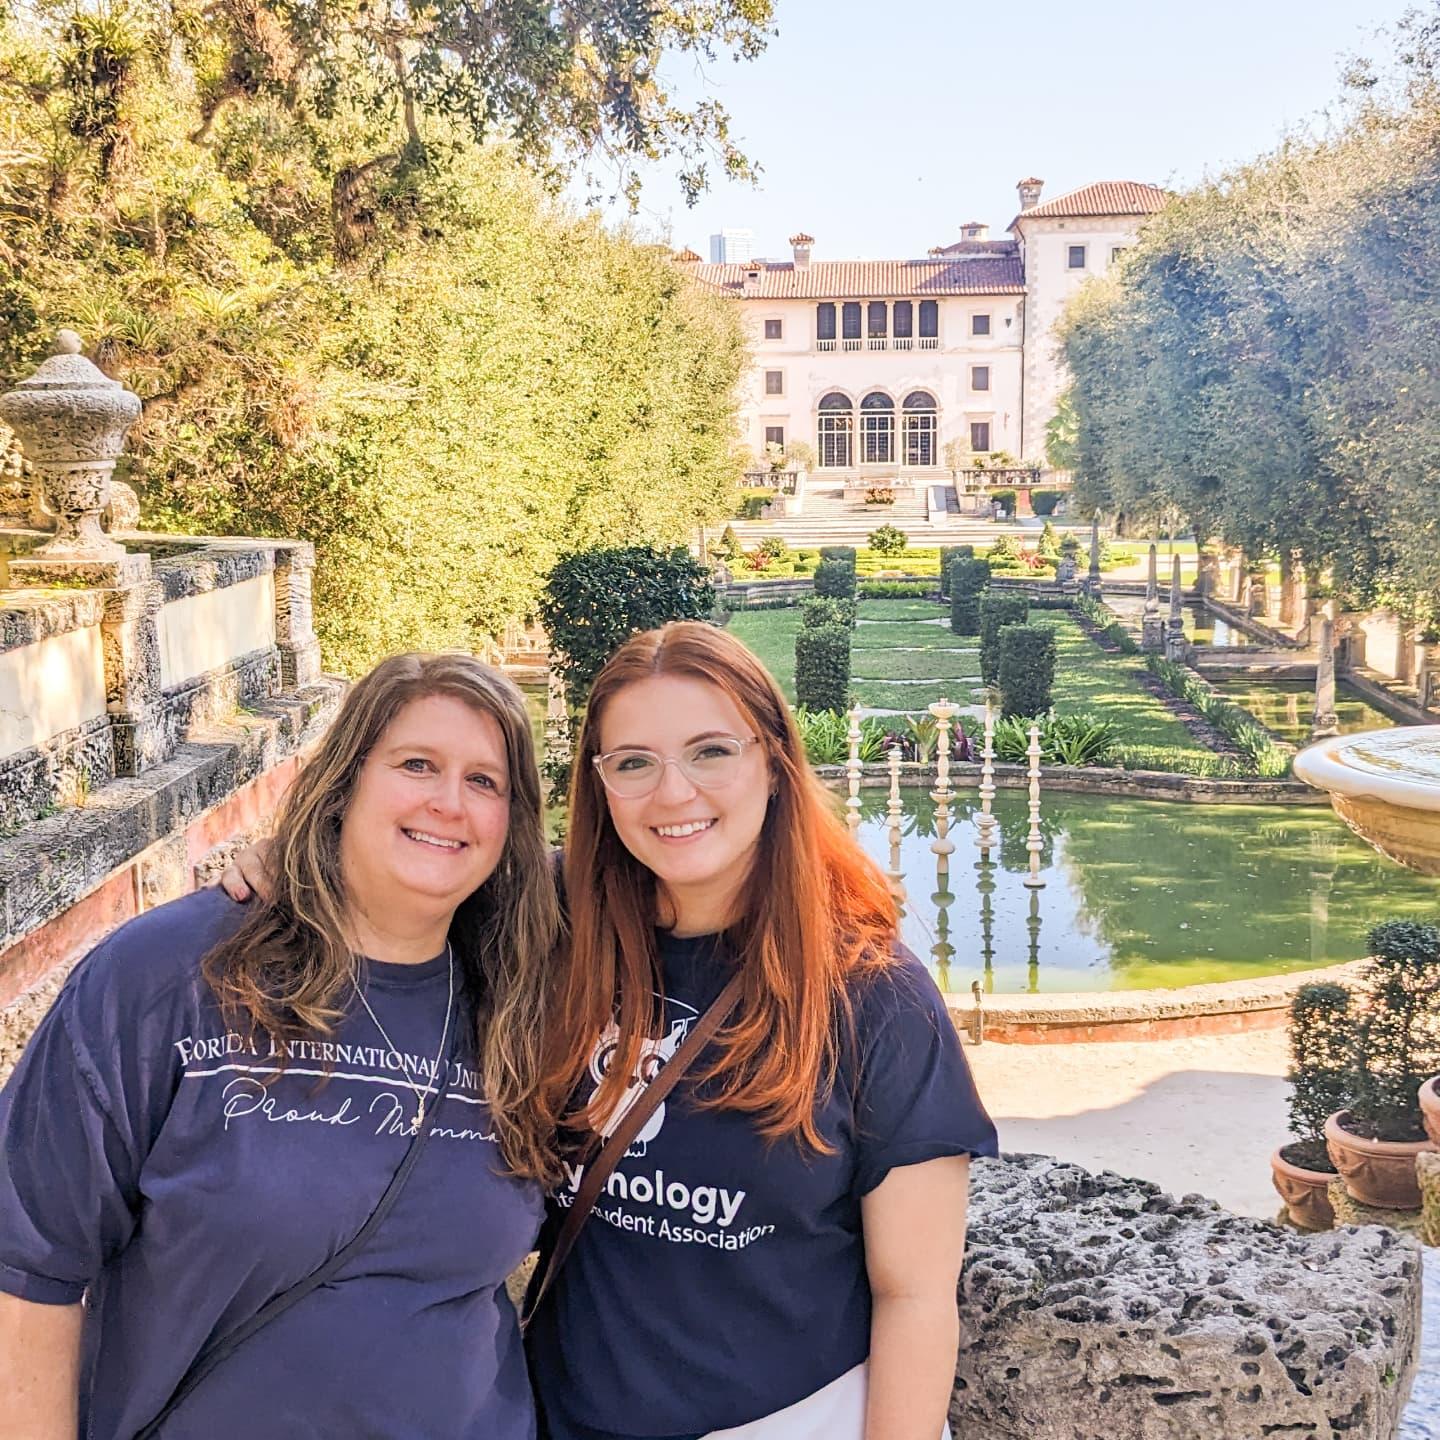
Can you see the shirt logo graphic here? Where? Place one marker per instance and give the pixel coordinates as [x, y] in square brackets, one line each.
[653, 1056]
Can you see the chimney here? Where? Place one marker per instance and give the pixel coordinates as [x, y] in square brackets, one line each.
[753, 271]
[975, 230]
[1029, 193]
[800, 245]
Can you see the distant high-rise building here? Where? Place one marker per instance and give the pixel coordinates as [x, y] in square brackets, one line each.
[732, 247]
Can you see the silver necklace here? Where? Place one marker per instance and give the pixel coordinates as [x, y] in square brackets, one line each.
[422, 1097]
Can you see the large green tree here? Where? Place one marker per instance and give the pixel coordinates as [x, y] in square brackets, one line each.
[347, 317]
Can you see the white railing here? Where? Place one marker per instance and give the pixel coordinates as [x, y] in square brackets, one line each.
[904, 342]
[824, 344]
[851, 344]
[878, 342]
[929, 342]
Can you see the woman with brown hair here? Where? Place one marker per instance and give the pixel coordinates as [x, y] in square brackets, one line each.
[221, 1113]
[776, 1255]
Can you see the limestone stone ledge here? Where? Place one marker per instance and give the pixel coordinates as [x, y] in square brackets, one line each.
[1095, 1307]
[58, 861]
[30, 616]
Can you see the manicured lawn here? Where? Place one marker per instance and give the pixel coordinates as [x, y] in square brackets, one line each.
[771, 635]
[934, 664]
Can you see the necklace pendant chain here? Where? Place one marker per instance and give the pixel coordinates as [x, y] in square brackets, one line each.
[435, 1085]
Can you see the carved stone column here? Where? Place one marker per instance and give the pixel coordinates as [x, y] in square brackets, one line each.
[295, 615]
[1324, 722]
[1152, 627]
[1177, 648]
[130, 639]
[70, 420]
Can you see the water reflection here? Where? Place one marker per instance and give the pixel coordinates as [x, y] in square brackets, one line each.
[1139, 893]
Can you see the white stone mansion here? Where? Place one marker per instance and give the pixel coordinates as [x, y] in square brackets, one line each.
[880, 364]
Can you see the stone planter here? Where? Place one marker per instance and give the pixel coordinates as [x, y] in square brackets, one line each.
[1376, 1172]
[1304, 1193]
[1430, 1108]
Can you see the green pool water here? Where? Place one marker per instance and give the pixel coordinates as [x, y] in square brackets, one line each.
[1287, 707]
[1140, 893]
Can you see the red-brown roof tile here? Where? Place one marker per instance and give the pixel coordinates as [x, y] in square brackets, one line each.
[870, 279]
[802, 239]
[978, 247]
[1106, 197]
[686, 256]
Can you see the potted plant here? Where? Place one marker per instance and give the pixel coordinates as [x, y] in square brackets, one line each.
[1430, 1108]
[1375, 1140]
[1321, 1036]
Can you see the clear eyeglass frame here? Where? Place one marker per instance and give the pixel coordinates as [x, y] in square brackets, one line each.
[720, 770]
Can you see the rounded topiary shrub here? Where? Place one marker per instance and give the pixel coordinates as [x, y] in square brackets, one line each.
[996, 610]
[1322, 1034]
[1027, 669]
[844, 553]
[835, 578]
[825, 610]
[966, 582]
[822, 667]
[948, 554]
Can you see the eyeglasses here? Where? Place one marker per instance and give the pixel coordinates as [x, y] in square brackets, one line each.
[707, 764]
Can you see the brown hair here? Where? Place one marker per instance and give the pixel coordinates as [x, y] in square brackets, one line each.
[289, 967]
[816, 910]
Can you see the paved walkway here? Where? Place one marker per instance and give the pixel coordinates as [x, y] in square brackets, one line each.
[1197, 1115]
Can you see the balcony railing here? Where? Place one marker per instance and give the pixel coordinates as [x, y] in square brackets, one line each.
[851, 344]
[878, 342]
[824, 344]
[904, 342]
[929, 342]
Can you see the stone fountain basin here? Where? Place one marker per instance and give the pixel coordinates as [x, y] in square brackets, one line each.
[1385, 785]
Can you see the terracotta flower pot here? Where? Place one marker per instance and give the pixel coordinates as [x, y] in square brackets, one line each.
[1430, 1108]
[1376, 1172]
[1304, 1193]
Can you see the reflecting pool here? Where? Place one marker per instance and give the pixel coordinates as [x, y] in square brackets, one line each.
[1202, 626]
[1288, 706]
[1139, 893]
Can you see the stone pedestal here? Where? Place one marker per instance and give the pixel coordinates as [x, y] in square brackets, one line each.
[1152, 629]
[1325, 722]
[130, 637]
[1208, 574]
[1349, 639]
[295, 616]
[1292, 591]
[1427, 675]
[1258, 591]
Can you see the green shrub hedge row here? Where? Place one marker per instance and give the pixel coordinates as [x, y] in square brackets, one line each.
[997, 609]
[897, 589]
[835, 578]
[948, 555]
[1026, 669]
[968, 578]
[825, 610]
[1262, 751]
[822, 667]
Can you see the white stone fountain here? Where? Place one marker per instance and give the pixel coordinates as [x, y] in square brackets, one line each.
[1385, 785]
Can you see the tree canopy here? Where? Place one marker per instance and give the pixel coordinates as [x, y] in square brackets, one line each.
[1263, 359]
[350, 321]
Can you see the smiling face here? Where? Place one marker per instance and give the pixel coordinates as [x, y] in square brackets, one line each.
[427, 823]
[699, 842]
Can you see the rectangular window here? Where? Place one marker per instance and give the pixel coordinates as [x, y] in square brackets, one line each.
[825, 321]
[877, 320]
[775, 329]
[980, 436]
[850, 325]
[1116, 251]
[775, 435]
[979, 377]
[774, 382]
[929, 320]
[979, 324]
[904, 319]
[1076, 257]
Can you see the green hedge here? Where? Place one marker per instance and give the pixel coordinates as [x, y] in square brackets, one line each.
[968, 578]
[822, 667]
[1043, 502]
[1027, 669]
[948, 554]
[835, 578]
[839, 552]
[1262, 751]
[824, 610]
[1006, 498]
[897, 589]
[998, 609]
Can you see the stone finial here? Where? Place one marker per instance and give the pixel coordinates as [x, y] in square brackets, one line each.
[71, 419]
[1152, 631]
[1176, 646]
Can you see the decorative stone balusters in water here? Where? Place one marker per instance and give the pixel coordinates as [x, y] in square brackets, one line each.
[853, 770]
[942, 845]
[894, 810]
[1034, 842]
[985, 820]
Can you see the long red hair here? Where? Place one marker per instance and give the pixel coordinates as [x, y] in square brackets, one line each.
[816, 910]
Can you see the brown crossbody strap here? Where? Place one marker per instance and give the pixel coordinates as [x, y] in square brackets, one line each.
[598, 1172]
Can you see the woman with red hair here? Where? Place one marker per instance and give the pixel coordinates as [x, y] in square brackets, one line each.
[777, 1253]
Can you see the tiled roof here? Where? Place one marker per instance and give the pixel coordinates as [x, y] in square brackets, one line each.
[1106, 197]
[802, 239]
[870, 279]
[978, 247]
[686, 256]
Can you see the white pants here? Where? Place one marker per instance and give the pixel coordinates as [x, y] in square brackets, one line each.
[835, 1413]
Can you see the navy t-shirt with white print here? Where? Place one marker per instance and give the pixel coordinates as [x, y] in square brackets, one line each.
[142, 1159]
[721, 1277]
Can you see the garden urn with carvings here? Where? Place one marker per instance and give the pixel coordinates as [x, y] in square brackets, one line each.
[71, 419]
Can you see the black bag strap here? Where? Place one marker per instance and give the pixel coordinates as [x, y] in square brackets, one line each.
[598, 1172]
[226, 1346]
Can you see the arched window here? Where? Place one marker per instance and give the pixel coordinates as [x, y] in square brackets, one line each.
[836, 424]
[877, 429]
[918, 436]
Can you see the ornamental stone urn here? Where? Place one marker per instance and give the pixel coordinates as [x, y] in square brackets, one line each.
[71, 419]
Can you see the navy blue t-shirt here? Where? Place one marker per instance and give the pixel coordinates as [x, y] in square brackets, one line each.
[142, 1160]
[721, 1277]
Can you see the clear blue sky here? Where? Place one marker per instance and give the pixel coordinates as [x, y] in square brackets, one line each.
[882, 125]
